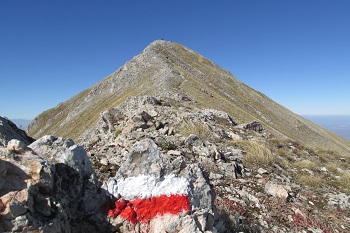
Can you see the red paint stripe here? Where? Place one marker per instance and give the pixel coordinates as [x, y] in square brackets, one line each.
[143, 210]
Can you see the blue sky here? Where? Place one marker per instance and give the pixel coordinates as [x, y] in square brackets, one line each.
[296, 52]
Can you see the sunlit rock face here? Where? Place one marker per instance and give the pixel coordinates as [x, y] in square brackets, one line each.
[49, 186]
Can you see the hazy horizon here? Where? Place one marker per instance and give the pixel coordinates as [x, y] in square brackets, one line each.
[338, 124]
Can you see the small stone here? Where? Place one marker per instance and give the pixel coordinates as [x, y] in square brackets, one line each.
[262, 171]
[158, 125]
[174, 152]
[164, 130]
[17, 209]
[104, 161]
[313, 230]
[146, 117]
[153, 113]
[171, 131]
[276, 190]
[217, 155]
[213, 176]
[16, 145]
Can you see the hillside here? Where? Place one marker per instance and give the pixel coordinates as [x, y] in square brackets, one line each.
[170, 70]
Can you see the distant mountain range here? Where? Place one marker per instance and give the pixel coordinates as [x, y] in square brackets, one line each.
[21, 123]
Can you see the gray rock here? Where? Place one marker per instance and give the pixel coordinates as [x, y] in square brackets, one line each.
[340, 200]
[164, 130]
[255, 126]
[9, 131]
[16, 145]
[215, 176]
[194, 140]
[51, 188]
[159, 125]
[16, 209]
[145, 159]
[276, 190]
[262, 171]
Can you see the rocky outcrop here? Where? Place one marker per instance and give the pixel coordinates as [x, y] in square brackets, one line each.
[148, 175]
[256, 126]
[8, 131]
[50, 186]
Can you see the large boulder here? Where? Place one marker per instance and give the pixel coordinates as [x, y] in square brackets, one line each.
[157, 192]
[50, 186]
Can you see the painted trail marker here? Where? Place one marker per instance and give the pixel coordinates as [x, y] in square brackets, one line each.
[145, 197]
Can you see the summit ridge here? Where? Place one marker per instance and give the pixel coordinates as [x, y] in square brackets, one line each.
[171, 70]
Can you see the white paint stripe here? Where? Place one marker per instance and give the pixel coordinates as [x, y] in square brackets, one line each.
[144, 186]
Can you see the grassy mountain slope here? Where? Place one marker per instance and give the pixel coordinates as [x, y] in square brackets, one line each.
[168, 69]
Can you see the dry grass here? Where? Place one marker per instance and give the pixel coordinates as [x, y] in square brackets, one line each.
[344, 181]
[284, 163]
[283, 152]
[188, 127]
[332, 167]
[306, 164]
[309, 180]
[256, 153]
[327, 155]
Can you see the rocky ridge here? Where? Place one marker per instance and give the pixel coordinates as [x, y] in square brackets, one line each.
[8, 131]
[248, 197]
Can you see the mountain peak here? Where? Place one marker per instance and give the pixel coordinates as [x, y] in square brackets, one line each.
[172, 71]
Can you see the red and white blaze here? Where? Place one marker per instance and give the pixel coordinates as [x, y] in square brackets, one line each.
[145, 197]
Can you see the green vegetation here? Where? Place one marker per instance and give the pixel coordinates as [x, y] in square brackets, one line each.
[116, 134]
[167, 146]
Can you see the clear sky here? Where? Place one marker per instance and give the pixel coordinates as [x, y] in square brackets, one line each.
[296, 52]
